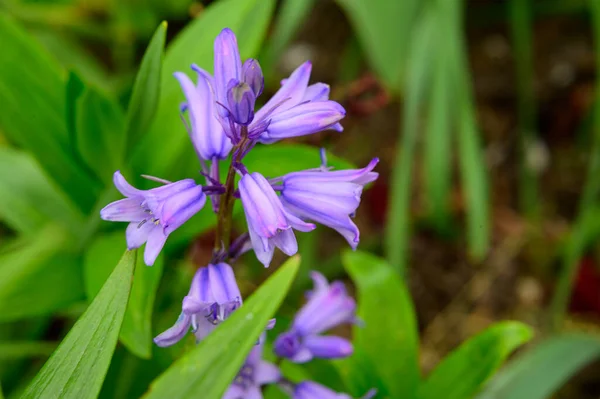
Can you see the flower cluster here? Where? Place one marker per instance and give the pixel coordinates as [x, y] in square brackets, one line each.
[220, 117]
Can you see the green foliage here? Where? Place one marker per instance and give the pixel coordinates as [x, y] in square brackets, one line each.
[99, 133]
[539, 372]
[33, 114]
[78, 367]
[28, 199]
[146, 90]
[384, 29]
[136, 332]
[210, 367]
[37, 277]
[439, 28]
[461, 374]
[388, 343]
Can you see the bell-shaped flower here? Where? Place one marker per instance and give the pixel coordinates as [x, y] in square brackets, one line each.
[296, 109]
[269, 224]
[153, 214]
[313, 390]
[213, 296]
[328, 197]
[205, 131]
[254, 373]
[328, 306]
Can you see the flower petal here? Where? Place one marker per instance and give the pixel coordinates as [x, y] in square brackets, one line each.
[155, 243]
[228, 65]
[290, 93]
[124, 210]
[175, 333]
[124, 187]
[328, 347]
[179, 208]
[222, 283]
[303, 119]
[137, 233]
[266, 373]
[316, 92]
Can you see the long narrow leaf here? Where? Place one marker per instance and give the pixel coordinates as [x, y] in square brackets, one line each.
[146, 90]
[538, 373]
[463, 372]
[78, 367]
[418, 70]
[387, 345]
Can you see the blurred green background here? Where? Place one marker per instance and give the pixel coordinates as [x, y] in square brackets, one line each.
[485, 115]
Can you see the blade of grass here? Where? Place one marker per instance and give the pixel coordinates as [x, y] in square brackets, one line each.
[577, 244]
[437, 151]
[417, 75]
[471, 159]
[520, 23]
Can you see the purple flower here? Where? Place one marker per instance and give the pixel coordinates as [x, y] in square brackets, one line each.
[327, 307]
[213, 296]
[312, 390]
[296, 109]
[328, 198]
[153, 214]
[269, 224]
[206, 132]
[254, 373]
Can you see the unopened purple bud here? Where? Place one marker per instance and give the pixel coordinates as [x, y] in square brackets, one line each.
[253, 76]
[241, 100]
[153, 214]
[228, 65]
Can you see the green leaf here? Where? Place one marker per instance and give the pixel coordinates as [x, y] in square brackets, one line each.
[136, 332]
[32, 88]
[277, 160]
[10, 350]
[288, 20]
[418, 76]
[462, 373]
[539, 372]
[37, 277]
[146, 90]
[77, 368]
[387, 345]
[437, 152]
[157, 151]
[385, 30]
[210, 367]
[100, 138]
[28, 200]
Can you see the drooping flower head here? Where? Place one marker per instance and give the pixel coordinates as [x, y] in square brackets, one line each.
[153, 214]
[328, 306]
[213, 296]
[328, 197]
[254, 373]
[296, 109]
[269, 224]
